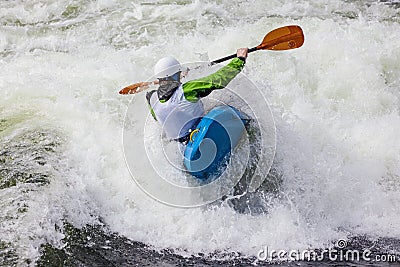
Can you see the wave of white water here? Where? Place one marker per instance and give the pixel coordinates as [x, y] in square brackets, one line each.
[335, 101]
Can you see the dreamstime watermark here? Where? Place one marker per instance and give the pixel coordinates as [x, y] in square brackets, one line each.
[156, 164]
[337, 254]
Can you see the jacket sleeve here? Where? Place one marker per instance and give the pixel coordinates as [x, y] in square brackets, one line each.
[194, 90]
[148, 97]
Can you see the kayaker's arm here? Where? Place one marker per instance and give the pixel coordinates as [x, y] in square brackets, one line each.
[148, 97]
[196, 89]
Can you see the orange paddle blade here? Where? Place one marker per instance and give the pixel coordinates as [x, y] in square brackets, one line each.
[136, 88]
[284, 38]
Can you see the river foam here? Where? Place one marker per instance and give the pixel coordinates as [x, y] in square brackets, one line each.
[335, 102]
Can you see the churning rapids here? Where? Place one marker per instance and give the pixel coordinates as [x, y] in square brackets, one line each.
[66, 195]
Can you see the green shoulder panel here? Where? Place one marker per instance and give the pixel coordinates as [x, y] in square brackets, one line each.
[194, 90]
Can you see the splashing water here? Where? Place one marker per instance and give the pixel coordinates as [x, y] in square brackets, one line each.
[335, 102]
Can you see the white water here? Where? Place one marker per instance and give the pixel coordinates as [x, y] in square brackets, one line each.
[335, 101]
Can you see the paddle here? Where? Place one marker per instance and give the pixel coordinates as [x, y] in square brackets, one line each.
[284, 38]
[136, 87]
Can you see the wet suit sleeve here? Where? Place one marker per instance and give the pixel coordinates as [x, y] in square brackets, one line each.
[196, 89]
[148, 96]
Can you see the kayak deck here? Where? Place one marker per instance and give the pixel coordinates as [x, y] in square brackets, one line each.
[208, 151]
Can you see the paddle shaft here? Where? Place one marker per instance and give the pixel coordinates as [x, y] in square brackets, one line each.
[231, 56]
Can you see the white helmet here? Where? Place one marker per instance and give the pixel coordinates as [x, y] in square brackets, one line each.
[166, 67]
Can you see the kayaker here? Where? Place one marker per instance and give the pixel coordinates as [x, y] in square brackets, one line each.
[176, 106]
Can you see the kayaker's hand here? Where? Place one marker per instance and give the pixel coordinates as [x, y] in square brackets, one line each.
[242, 53]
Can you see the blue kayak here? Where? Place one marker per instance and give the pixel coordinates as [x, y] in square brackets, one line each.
[208, 151]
